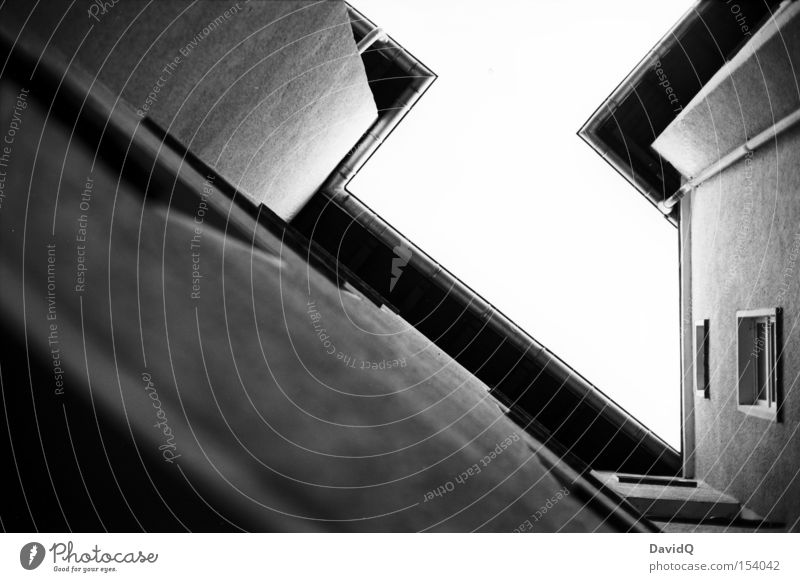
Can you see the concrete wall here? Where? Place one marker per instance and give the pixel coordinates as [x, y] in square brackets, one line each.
[687, 329]
[258, 90]
[291, 404]
[742, 236]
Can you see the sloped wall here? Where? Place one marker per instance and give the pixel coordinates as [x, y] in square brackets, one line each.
[201, 382]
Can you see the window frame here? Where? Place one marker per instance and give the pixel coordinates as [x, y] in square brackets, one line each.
[753, 353]
[702, 380]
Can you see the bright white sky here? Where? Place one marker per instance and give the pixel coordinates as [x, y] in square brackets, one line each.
[499, 189]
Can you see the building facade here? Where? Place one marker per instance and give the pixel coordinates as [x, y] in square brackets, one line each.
[738, 147]
[705, 127]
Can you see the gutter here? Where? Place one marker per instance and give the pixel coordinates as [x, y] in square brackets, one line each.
[589, 130]
[500, 324]
[726, 161]
[420, 76]
[625, 88]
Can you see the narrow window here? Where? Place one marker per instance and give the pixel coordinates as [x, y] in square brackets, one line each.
[701, 369]
[758, 349]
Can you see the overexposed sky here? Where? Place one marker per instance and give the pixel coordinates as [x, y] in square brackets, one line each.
[497, 187]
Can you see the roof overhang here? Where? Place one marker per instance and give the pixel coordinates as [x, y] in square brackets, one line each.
[625, 125]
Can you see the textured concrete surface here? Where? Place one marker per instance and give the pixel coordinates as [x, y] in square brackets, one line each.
[745, 235]
[272, 430]
[744, 242]
[758, 87]
[688, 393]
[257, 89]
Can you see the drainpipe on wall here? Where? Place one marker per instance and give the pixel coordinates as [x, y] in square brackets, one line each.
[772, 132]
[373, 36]
[420, 79]
[731, 158]
[496, 321]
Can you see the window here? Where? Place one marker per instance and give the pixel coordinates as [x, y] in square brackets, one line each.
[758, 350]
[701, 376]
